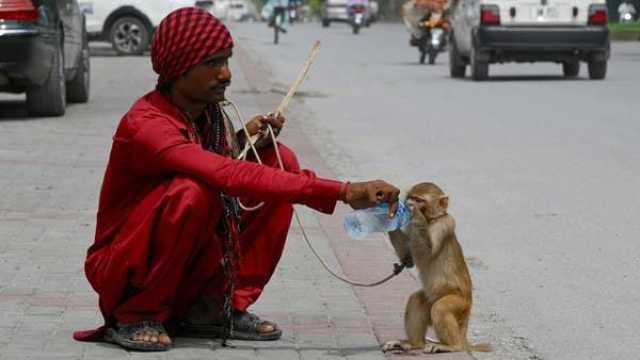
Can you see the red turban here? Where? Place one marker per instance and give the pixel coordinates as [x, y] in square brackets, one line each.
[183, 39]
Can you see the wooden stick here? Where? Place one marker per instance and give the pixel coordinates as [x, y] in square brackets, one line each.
[292, 91]
[301, 76]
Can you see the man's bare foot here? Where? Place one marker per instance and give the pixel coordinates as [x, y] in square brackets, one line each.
[152, 336]
[142, 335]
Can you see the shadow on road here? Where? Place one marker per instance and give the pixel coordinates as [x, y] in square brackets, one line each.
[416, 63]
[16, 110]
[507, 78]
[184, 343]
[13, 110]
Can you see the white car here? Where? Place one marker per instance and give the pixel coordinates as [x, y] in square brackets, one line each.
[127, 24]
[241, 10]
[486, 32]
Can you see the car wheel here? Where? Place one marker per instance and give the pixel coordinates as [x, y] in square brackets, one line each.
[456, 64]
[597, 69]
[50, 98]
[129, 36]
[571, 69]
[326, 23]
[479, 68]
[78, 88]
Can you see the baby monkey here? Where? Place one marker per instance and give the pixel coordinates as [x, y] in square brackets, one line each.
[444, 302]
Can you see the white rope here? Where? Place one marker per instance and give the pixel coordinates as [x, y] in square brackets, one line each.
[250, 145]
[243, 125]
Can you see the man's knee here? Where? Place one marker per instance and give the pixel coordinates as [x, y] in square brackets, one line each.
[193, 193]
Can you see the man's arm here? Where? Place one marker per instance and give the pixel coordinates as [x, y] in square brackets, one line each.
[159, 148]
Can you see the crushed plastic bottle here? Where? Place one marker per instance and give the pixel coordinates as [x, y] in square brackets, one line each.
[360, 223]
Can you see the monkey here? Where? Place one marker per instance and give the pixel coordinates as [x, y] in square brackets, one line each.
[429, 242]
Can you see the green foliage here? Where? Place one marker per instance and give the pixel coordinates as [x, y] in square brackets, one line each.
[315, 6]
[625, 27]
[625, 31]
[259, 4]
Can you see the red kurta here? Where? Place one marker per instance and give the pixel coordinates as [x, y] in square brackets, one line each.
[156, 248]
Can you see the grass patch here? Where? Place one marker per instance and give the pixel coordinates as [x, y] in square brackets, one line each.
[625, 31]
[625, 27]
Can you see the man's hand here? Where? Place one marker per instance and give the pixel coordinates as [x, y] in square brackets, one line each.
[362, 195]
[258, 125]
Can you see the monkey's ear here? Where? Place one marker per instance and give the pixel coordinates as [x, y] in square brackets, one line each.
[444, 202]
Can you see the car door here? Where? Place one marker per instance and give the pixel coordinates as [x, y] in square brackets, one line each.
[72, 23]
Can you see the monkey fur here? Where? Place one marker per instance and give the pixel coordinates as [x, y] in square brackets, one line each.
[429, 242]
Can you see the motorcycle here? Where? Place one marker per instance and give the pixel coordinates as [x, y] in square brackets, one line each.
[357, 17]
[432, 40]
[277, 22]
[626, 17]
[627, 12]
[293, 11]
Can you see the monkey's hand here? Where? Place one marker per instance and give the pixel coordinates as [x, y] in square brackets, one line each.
[418, 231]
[400, 242]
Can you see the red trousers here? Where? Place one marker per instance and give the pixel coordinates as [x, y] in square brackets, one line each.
[173, 254]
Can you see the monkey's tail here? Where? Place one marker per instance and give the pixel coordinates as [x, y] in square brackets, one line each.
[484, 347]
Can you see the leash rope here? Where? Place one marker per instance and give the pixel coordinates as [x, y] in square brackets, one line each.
[250, 145]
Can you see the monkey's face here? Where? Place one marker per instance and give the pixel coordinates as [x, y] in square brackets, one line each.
[429, 205]
[416, 202]
[429, 199]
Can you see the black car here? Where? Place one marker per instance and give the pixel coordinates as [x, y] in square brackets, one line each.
[44, 52]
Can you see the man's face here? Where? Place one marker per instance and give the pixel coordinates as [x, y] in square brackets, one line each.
[207, 81]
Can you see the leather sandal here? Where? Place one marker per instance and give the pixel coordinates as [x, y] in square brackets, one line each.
[123, 334]
[245, 327]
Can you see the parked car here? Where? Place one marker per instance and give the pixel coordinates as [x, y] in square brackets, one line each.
[336, 11]
[242, 10]
[495, 31]
[44, 52]
[127, 24]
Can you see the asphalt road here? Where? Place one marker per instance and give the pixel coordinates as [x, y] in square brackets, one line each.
[543, 174]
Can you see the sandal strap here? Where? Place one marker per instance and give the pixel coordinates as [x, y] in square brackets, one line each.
[128, 330]
[248, 321]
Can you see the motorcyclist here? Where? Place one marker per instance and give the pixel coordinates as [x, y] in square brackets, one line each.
[626, 7]
[416, 12]
[352, 3]
[278, 8]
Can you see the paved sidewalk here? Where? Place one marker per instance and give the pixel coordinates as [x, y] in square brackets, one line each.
[50, 178]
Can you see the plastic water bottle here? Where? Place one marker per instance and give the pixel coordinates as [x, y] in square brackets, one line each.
[360, 223]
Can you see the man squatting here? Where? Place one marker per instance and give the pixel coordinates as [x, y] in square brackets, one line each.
[170, 239]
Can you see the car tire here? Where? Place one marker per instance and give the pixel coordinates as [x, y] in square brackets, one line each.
[129, 35]
[326, 23]
[571, 69]
[479, 68]
[597, 69]
[78, 88]
[49, 99]
[457, 66]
